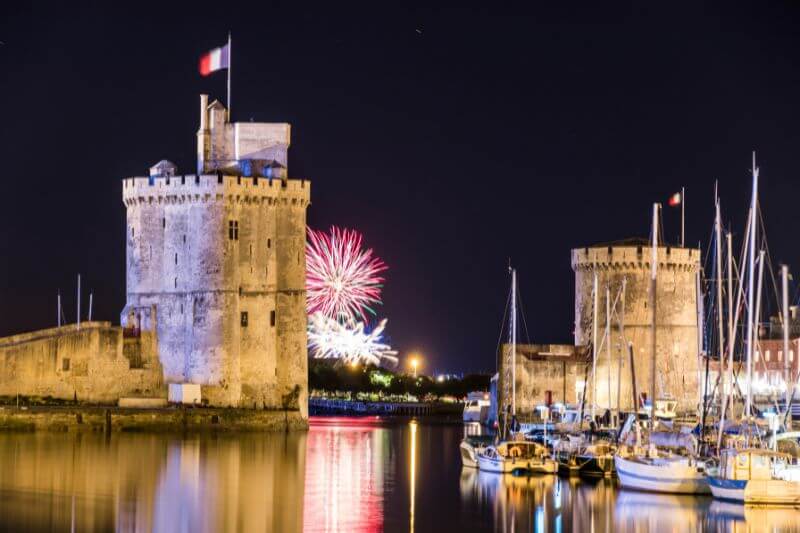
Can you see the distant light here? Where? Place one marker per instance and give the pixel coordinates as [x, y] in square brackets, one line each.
[440, 378]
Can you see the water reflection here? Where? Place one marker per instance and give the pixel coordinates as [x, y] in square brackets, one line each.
[343, 475]
[136, 482]
[346, 474]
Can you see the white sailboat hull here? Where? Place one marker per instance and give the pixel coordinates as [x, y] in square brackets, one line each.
[502, 465]
[667, 476]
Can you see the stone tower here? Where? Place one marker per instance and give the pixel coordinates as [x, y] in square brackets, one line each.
[676, 319]
[216, 265]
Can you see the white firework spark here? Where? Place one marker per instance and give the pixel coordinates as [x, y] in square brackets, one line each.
[332, 339]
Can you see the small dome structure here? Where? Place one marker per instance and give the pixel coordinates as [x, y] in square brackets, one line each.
[163, 169]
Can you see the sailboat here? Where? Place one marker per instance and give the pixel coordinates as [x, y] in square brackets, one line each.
[750, 474]
[514, 453]
[649, 467]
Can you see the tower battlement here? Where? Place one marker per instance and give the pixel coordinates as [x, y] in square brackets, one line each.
[617, 257]
[207, 187]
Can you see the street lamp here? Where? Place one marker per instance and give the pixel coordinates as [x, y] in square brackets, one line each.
[414, 363]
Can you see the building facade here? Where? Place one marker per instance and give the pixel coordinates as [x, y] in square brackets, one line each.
[216, 265]
[628, 262]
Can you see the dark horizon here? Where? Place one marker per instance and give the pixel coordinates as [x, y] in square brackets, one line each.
[453, 140]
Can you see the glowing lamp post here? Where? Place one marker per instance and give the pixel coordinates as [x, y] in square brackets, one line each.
[414, 364]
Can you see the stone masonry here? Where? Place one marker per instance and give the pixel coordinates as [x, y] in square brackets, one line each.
[216, 266]
[215, 279]
[676, 320]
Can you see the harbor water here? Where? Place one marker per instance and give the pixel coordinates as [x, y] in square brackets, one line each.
[344, 474]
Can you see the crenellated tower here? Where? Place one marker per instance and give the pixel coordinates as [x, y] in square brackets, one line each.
[216, 265]
[676, 319]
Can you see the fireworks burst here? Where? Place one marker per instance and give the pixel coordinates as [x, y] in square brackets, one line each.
[329, 338]
[342, 279]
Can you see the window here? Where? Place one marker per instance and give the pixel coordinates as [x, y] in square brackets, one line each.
[184, 238]
[244, 319]
[176, 283]
[269, 243]
[272, 318]
[176, 259]
[163, 222]
[766, 358]
[251, 251]
[133, 231]
[233, 230]
[65, 364]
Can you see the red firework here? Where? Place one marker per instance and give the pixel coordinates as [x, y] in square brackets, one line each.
[342, 278]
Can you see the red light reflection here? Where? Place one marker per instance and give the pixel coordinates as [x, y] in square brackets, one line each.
[344, 475]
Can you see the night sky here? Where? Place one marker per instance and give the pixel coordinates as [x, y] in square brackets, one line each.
[454, 140]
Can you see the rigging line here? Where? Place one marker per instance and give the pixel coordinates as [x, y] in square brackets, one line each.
[522, 313]
[500, 336]
[765, 245]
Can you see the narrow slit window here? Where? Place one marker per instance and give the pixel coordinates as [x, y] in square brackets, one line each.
[272, 318]
[233, 230]
[244, 319]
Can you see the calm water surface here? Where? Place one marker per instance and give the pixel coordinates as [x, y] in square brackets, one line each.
[345, 474]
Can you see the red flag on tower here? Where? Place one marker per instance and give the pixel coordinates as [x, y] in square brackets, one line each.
[675, 199]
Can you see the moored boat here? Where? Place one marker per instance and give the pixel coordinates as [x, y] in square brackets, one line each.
[756, 476]
[471, 446]
[516, 456]
[659, 472]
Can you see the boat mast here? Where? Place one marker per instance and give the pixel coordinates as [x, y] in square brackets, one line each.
[758, 298]
[720, 321]
[750, 280]
[513, 341]
[608, 344]
[786, 363]
[621, 324]
[653, 286]
[594, 346]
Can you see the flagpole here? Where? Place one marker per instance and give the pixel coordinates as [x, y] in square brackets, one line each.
[683, 213]
[229, 76]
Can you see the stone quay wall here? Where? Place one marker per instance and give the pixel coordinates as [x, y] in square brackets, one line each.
[216, 267]
[92, 363]
[677, 373]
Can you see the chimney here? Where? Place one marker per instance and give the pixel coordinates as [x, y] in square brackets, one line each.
[203, 112]
[203, 140]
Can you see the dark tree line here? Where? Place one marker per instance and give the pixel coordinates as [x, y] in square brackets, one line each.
[335, 376]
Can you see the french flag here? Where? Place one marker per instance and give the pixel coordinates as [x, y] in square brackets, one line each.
[216, 59]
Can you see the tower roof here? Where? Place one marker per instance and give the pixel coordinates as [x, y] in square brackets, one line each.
[164, 168]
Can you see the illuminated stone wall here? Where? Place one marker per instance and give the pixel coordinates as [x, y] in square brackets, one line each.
[677, 344]
[92, 363]
[218, 262]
